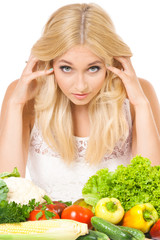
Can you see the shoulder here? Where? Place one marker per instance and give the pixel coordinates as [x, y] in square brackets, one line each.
[147, 87]
[10, 89]
[150, 93]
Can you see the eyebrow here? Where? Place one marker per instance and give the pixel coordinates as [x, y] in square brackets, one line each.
[95, 62]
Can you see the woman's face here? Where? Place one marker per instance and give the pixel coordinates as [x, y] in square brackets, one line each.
[80, 74]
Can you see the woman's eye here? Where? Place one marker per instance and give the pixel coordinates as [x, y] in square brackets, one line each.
[65, 68]
[94, 69]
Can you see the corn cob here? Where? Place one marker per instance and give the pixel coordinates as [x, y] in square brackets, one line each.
[58, 228]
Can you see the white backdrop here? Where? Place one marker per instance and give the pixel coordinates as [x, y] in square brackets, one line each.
[22, 21]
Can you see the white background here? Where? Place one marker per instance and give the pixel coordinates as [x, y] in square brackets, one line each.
[22, 21]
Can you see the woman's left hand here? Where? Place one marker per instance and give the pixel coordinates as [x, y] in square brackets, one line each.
[130, 81]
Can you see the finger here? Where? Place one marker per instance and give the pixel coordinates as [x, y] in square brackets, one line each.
[116, 71]
[30, 64]
[37, 74]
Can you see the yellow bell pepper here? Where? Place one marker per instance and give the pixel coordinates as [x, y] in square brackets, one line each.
[141, 217]
[109, 209]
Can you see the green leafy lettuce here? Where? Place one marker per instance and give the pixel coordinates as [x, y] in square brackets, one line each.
[3, 186]
[15, 173]
[137, 183]
[3, 190]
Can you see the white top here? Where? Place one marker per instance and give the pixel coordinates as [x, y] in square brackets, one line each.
[63, 182]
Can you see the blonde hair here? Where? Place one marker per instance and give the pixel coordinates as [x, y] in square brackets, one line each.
[88, 25]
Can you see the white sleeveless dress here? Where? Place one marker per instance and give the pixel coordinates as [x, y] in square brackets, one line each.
[63, 182]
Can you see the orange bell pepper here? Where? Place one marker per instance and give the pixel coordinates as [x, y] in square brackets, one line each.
[141, 217]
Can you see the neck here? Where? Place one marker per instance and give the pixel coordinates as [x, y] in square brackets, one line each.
[80, 120]
[80, 109]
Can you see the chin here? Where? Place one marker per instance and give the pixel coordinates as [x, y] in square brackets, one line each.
[80, 102]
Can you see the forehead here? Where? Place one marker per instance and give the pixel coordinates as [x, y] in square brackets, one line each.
[79, 52]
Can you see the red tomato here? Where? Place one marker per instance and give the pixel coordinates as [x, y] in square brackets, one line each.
[155, 230]
[33, 214]
[78, 213]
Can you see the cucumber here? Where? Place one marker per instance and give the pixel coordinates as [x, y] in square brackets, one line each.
[90, 236]
[94, 235]
[101, 236]
[139, 235]
[112, 231]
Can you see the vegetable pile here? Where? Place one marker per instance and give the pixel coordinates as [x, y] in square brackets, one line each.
[120, 205]
[137, 183]
[23, 204]
[17, 204]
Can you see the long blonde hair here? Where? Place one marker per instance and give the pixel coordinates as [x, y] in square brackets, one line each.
[88, 25]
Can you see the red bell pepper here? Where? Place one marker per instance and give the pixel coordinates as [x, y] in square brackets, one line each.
[155, 230]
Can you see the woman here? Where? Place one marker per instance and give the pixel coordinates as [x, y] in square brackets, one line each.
[78, 105]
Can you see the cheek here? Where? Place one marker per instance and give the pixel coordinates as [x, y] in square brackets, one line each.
[100, 82]
[63, 84]
[58, 78]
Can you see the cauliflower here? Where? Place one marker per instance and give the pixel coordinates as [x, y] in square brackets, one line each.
[21, 190]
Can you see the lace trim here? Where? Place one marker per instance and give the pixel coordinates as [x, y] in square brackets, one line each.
[39, 145]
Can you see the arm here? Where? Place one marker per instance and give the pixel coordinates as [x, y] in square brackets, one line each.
[14, 120]
[13, 136]
[146, 124]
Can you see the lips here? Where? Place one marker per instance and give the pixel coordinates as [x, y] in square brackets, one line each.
[80, 96]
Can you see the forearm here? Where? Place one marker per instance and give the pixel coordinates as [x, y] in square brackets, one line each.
[147, 136]
[11, 144]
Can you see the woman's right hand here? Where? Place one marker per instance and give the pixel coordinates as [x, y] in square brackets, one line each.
[26, 88]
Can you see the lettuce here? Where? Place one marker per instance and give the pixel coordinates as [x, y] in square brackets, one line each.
[3, 190]
[15, 173]
[137, 183]
[3, 186]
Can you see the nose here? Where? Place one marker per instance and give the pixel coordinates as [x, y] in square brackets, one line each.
[81, 84]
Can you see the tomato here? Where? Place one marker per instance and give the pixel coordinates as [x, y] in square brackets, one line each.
[58, 207]
[78, 213]
[155, 230]
[33, 214]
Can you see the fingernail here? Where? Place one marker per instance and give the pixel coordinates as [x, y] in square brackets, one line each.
[51, 69]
